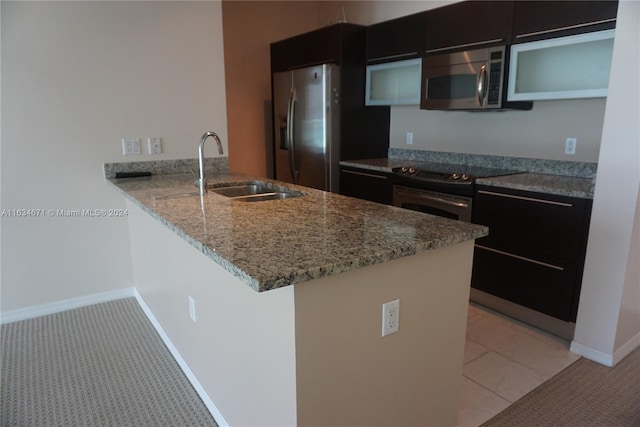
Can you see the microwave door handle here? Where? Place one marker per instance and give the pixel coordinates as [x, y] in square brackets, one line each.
[481, 85]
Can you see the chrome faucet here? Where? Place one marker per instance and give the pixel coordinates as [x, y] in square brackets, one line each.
[202, 182]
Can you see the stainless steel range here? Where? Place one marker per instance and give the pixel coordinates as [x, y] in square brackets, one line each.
[440, 189]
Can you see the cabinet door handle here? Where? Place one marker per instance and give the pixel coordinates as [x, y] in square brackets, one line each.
[521, 258]
[370, 175]
[397, 56]
[463, 45]
[529, 199]
[570, 27]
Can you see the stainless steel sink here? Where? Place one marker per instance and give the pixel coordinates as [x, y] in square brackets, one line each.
[253, 191]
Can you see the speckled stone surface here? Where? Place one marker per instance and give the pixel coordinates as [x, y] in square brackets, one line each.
[564, 185]
[553, 167]
[549, 184]
[277, 243]
[164, 167]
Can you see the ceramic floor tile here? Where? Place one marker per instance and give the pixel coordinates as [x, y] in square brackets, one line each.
[477, 404]
[506, 378]
[473, 350]
[506, 320]
[546, 357]
[475, 309]
[546, 336]
[489, 331]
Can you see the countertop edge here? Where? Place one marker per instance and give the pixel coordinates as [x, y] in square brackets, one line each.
[230, 267]
[310, 273]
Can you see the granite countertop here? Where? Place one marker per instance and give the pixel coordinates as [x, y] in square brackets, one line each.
[271, 244]
[571, 186]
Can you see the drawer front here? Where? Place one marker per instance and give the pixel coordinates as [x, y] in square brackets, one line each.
[533, 223]
[542, 285]
[367, 185]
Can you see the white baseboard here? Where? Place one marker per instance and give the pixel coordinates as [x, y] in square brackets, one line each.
[182, 363]
[603, 358]
[68, 304]
[626, 348]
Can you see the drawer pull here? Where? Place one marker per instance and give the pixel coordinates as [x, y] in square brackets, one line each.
[370, 175]
[521, 258]
[530, 199]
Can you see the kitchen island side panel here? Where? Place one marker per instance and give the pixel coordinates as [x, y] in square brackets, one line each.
[241, 347]
[348, 374]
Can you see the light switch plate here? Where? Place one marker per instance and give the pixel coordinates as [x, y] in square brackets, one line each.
[155, 147]
[131, 146]
[570, 145]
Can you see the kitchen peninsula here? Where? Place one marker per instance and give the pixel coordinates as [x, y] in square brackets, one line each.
[287, 296]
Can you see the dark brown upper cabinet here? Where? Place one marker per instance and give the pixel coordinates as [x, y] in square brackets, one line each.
[335, 44]
[279, 61]
[538, 20]
[461, 26]
[397, 39]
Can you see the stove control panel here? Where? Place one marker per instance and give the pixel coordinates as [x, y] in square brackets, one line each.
[424, 175]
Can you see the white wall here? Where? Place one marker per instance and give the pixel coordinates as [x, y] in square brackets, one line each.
[539, 133]
[76, 78]
[608, 323]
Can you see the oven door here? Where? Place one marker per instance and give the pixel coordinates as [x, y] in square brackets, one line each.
[445, 205]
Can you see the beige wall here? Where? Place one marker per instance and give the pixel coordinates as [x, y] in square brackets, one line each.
[349, 375]
[76, 78]
[249, 28]
[241, 347]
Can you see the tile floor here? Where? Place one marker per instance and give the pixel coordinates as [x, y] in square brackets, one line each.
[504, 360]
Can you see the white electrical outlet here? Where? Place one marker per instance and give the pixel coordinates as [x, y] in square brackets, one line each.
[131, 146]
[409, 138]
[192, 309]
[570, 145]
[390, 317]
[154, 145]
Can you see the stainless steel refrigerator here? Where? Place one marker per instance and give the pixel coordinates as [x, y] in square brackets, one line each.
[306, 107]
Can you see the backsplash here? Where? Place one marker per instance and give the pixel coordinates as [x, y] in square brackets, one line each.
[166, 167]
[554, 167]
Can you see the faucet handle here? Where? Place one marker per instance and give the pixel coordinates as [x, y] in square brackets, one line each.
[196, 182]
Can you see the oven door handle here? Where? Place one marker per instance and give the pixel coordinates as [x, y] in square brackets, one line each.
[430, 198]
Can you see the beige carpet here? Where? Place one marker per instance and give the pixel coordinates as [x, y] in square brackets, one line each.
[102, 365]
[585, 394]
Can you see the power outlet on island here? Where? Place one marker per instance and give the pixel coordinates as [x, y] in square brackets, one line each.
[390, 317]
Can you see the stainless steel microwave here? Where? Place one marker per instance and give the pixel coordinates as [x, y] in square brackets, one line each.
[468, 80]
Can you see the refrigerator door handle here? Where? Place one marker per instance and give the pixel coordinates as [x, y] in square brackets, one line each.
[291, 114]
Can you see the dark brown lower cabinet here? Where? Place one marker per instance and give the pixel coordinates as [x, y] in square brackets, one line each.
[545, 287]
[365, 184]
[534, 254]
